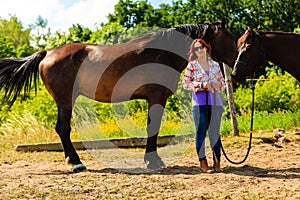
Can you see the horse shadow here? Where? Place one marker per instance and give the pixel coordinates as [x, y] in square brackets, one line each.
[170, 170]
[246, 170]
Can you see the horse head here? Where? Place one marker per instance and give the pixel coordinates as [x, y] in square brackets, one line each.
[216, 35]
[250, 56]
[222, 42]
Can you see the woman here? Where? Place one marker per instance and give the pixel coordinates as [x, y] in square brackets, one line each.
[204, 78]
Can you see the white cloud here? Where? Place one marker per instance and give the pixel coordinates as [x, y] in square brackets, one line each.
[60, 17]
[61, 14]
[88, 13]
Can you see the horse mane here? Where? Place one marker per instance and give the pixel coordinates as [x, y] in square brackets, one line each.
[193, 30]
[197, 30]
[146, 37]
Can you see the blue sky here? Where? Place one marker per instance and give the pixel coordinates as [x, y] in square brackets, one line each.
[61, 14]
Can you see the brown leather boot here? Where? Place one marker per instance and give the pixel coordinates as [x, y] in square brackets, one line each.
[217, 165]
[204, 166]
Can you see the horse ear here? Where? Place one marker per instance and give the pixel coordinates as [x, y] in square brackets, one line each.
[223, 23]
[250, 31]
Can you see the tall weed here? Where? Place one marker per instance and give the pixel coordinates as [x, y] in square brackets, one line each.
[24, 128]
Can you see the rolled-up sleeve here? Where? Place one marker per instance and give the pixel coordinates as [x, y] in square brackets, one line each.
[188, 81]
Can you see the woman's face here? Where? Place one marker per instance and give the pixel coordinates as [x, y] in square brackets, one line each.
[199, 49]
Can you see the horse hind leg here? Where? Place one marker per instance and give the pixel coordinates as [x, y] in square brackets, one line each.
[63, 128]
[151, 158]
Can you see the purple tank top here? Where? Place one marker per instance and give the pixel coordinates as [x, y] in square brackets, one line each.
[199, 99]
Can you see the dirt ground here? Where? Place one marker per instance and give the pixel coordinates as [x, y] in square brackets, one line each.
[272, 171]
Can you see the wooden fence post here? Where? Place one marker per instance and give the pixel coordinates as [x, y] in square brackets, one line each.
[231, 104]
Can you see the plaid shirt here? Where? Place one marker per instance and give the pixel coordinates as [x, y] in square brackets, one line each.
[189, 78]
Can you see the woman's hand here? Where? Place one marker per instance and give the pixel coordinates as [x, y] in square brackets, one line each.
[205, 86]
[217, 85]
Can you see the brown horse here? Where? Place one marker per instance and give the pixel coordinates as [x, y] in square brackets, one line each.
[146, 67]
[256, 47]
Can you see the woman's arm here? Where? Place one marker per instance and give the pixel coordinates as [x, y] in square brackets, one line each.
[188, 80]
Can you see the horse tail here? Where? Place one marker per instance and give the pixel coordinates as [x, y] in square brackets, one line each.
[17, 74]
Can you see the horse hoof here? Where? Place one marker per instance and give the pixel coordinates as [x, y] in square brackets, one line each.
[76, 168]
[79, 168]
[152, 166]
[159, 164]
[155, 166]
[153, 161]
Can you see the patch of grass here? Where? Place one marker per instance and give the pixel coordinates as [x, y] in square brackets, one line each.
[26, 129]
[263, 121]
[174, 185]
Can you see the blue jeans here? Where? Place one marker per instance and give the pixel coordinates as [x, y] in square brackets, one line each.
[207, 118]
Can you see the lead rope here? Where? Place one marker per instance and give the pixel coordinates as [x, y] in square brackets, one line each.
[251, 129]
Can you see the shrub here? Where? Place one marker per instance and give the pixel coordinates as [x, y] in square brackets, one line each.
[280, 92]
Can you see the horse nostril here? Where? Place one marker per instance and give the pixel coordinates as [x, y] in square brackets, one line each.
[233, 74]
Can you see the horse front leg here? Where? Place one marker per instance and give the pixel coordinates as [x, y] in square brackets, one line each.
[63, 128]
[155, 113]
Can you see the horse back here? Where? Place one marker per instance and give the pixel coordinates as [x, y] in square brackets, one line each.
[108, 73]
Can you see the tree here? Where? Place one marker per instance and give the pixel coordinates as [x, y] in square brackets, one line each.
[108, 34]
[14, 31]
[129, 13]
[6, 47]
[77, 33]
[273, 14]
[40, 33]
[19, 37]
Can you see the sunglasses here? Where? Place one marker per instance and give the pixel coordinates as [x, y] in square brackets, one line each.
[198, 48]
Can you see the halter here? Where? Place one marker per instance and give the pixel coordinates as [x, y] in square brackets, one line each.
[240, 62]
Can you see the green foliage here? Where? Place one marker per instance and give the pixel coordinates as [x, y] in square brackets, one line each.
[278, 92]
[77, 33]
[19, 37]
[25, 50]
[41, 106]
[129, 13]
[6, 47]
[108, 34]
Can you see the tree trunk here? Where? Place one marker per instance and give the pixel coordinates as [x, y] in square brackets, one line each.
[229, 90]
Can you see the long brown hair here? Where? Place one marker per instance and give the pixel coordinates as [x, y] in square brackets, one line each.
[192, 52]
